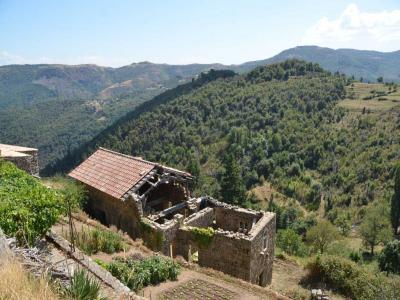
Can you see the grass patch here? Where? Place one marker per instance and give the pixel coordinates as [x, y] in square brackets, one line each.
[15, 283]
[91, 241]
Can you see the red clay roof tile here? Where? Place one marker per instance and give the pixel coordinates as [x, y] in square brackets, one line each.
[111, 172]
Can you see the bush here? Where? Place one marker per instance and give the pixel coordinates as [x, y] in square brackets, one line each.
[95, 240]
[138, 274]
[389, 259]
[321, 235]
[355, 256]
[352, 280]
[290, 242]
[27, 208]
[82, 287]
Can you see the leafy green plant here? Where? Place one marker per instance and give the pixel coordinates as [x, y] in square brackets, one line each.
[95, 240]
[202, 236]
[322, 235]
[352, 280]
[389, 258]
[138, 274]
[27, 208]
[83, 287]
[290, 242]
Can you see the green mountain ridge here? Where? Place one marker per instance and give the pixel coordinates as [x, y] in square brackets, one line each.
[283, 124]
[58, 108]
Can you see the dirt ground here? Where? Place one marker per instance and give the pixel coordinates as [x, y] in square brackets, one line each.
[207, 287]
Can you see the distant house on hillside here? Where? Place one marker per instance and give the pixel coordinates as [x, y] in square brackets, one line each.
[151, 201]
[23, 157]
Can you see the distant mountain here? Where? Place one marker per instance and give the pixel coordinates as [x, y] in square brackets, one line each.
[360, 63]
[57, 108]
[27, 84]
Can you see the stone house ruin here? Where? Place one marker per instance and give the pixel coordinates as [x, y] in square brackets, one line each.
[151, 201]
[23, 157]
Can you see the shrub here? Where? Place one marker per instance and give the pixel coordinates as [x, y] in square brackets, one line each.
[289, 241]
[95, 240]
[138, 274]
[321, 235]
[27, 208]
[350, 279]
[82, 287]
[389, 259]
[355, 256]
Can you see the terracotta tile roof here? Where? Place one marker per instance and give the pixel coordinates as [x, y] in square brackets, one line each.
[111, 172]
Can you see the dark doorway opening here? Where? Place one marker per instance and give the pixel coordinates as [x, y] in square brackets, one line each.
[101, 216]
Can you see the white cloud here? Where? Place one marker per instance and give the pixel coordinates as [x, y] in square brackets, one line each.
[357, 29]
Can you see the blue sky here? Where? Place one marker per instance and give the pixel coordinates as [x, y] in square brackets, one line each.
[119, 32]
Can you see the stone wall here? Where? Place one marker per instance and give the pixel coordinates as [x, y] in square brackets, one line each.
[112, 211]
[28, 163]
[203, 218]
[234, 218]
[246, 255]
[262, 258]
[226, 252]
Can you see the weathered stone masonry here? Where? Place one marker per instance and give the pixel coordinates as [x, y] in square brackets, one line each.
[24, 158]
[152, 202]
[242, 245]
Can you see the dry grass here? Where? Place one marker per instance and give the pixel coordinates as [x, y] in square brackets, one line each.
[16, 284]
[377, 104]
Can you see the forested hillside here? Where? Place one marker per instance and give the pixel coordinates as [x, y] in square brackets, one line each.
[364, 64]
[57, 108]
[285, 124]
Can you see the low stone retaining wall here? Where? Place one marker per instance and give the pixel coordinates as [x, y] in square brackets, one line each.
[92, 267]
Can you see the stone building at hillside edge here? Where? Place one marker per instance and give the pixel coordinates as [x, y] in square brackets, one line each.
[152, 202]
[23, 157]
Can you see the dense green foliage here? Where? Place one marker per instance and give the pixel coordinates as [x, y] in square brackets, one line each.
[202, 236]
[352, 280]
[368, 65]
[395, 203]
[291, 242]
[138, 274]
[83, 287]
[232, 186]
[96, 240]
[27, 208]
[282, 124]
[375, 227]
[389, 258]
[57, 108]
[321, 235]
[271, 126]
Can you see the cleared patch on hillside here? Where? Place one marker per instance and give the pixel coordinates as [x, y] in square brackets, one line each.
[367, 97]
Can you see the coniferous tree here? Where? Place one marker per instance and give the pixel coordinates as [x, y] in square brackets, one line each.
[395, 204]
[232, 186]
